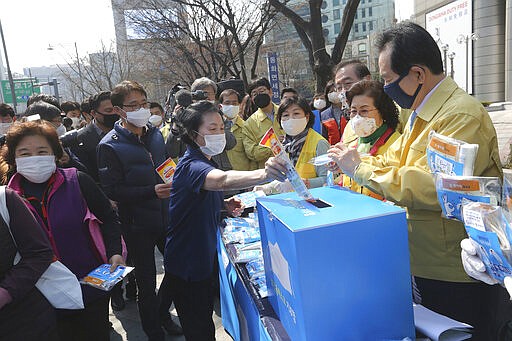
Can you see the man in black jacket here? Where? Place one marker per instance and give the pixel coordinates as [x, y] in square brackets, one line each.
[83, 142]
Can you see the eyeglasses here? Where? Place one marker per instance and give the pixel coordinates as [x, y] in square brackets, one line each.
[362, 112]
[133, 107]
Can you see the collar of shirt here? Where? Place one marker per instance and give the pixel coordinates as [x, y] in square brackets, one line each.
[98, 129]
[262, 116]
[427, 97]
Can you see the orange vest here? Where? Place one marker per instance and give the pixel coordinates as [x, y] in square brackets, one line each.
[334, 132]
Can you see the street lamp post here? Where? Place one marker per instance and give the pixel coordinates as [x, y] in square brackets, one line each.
[9, 74]
[445, 48]
[461, 39]
[451, 55]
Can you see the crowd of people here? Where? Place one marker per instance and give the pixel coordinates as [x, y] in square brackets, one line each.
[69, 165]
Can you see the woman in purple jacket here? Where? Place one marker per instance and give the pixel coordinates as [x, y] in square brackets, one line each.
[66, 203]
[25, 314]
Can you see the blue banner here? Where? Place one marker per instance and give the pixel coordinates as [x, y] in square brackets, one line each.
[273, 76]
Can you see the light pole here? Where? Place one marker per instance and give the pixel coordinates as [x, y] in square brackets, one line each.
[445, 48]
[79, 66]
[9, 74]
[461, 39]
[451, 55]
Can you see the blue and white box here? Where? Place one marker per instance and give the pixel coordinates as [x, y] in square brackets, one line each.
[340, 272]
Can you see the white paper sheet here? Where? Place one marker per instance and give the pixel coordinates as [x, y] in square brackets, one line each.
[439, 327]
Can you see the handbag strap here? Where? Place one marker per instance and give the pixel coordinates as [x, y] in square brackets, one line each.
[4, 212]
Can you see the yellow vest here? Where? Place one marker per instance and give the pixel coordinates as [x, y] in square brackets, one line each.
[236, 155]
[307, 170]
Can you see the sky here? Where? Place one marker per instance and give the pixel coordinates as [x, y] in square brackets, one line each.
[30, 26]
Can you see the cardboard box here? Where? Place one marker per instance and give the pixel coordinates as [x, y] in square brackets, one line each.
[340, 272]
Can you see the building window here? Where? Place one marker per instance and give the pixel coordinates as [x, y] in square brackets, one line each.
[356, 28]
[325, 18]
[362, 1]
[364, 27]
[324, 4]
[361, 48]
[369, 11]
[325, 32]
[335, 3]
[371, 25]
[344, 2]
[355, 17]
[336, 14]
[337, 28]
[363, 13]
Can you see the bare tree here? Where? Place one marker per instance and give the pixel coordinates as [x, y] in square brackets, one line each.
[208, 38]
[312, 37]
[99, 71]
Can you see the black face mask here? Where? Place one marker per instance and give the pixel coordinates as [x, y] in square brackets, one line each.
[109, 120]
[261, 100]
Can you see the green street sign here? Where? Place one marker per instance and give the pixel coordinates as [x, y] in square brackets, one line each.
[22, 88]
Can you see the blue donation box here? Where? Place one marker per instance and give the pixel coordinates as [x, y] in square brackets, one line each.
[337, 269]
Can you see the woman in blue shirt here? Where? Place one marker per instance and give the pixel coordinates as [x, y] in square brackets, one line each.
[196, 203]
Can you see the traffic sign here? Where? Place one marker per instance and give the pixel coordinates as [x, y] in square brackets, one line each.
[22, 88]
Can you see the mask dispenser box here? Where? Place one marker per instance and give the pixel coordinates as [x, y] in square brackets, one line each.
[337, 269]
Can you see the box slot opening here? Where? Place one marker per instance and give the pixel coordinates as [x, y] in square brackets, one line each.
[320, 203]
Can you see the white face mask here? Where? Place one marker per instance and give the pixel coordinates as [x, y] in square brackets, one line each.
[214, 144]
[319, 103]
[138, 118]
[363, 126]
[230, 111]
[333, 97]
[76, 122]
[36, 169]
[294, 126]
[4, 127]
[61, 130]
[155, 120]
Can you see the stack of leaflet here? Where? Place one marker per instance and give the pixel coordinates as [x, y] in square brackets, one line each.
[244, 235]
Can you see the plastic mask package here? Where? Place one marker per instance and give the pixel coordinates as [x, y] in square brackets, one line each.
[245, 256]
[506, 199]
[255, 267]
[452, 190]
[271, 141]
[488, 227]
[243, 237]
[237, 224]
[248, 199]
[101, 277]
[450, 156]
[320, 160]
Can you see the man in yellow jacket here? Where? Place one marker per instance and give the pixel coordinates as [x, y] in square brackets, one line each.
[258, 123]
[411, 66]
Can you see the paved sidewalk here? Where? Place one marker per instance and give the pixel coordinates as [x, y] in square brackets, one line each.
[127, 324]
[502, 121]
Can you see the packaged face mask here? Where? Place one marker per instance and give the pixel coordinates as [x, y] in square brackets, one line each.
[249, 198]
[248, 255]
[506, 196]
[320, 160]
[488, 227]
[271, 141]
[450, 156]
[101, 277]
[453, 191]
